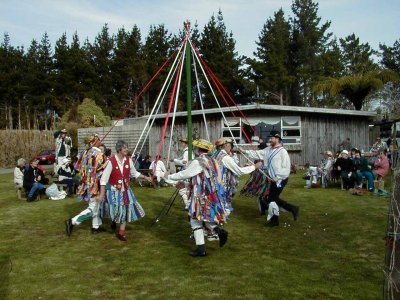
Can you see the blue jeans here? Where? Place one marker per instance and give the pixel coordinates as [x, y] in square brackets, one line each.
[369, 176]
[35, 187]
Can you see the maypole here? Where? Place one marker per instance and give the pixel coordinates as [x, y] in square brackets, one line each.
[188, 91]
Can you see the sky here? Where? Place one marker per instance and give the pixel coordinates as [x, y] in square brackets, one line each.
[373, 21]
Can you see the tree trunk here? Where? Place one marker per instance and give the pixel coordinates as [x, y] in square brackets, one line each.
[10, 117]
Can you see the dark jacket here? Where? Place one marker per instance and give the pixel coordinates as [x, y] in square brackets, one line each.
[361, 164]
[30, 176]
[346, 164]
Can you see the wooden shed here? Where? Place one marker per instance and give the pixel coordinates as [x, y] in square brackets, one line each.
[306, 131]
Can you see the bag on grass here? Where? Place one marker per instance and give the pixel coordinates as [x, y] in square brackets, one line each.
[54, 194]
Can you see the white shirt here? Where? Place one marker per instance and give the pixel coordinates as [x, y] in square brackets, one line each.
[160, 170]
[191, 170]
[18, 177]
[276, 161]
[107, 171]
[229, 162]
[179, 161]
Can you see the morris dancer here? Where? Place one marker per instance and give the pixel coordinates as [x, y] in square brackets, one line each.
[182, 162]
[206, 203]
[123, 206]
[91, 165]
[230, 170]
[277, 164]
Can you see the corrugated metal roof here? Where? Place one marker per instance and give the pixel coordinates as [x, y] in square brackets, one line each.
[281, 108]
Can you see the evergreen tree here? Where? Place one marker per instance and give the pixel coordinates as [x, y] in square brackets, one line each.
[270, 70]
[356, 57]
[11, 85]
[218, 49]
[102, 53]
[128, 67]
[390, 56]
[390, 95]
[309, 39]
[81, 71]
[156, 51]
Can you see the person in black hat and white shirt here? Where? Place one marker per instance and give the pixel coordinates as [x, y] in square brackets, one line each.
[277, 165]
[63, 145]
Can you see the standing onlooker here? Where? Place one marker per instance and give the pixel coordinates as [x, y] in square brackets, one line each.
[379, 145]
[63, 145]
[345, 145]
[19, 173]
[277, 165]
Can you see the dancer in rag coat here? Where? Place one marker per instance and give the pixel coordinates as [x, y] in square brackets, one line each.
[91, 165]
[205, 193]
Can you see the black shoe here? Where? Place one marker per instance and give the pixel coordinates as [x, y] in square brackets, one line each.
[274, 221]
[68, 227]
[122, 238]
[98, 230]
[200, 251]
[222, 235]
[295, 212]
[113, 226]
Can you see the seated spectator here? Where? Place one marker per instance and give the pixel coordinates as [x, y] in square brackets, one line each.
[345, 166]
[19, 173]
[363, 170]
[381, 165]
[311, 176]
[325, 168]
[65, 174]
[145, 164]
[137, 160]
[379, 145]
[159, 170]
[43, 180]
[32, 177]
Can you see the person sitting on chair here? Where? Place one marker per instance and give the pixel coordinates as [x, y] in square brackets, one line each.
[32, 177]
[65, 175]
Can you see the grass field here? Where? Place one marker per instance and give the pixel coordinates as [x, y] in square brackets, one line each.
[334, 251]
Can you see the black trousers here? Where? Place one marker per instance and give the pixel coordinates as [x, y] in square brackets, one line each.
[273, 196]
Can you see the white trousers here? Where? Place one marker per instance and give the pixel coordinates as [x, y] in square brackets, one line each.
[92, 212]
[198, 230]
[184, 196]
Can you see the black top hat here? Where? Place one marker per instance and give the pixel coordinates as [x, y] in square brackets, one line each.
[274, 133]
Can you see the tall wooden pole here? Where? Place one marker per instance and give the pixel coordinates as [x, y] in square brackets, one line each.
[188, 92]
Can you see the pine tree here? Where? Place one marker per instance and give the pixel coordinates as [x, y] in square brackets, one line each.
[156, 51]
[218, 49]
[357, 57]
[270, 70]
[309, 39]
[102, 53]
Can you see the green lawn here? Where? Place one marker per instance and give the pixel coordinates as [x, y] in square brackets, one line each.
[334, 251]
